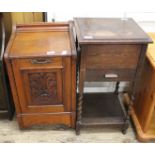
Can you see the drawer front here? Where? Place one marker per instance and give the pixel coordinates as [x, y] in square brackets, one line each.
[41, 62]
[112, 56]
[110, 75]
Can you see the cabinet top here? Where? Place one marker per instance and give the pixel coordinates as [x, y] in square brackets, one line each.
[109, 30]
[151, 51]
[43, 39]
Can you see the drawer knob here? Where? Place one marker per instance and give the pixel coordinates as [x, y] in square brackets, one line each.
[111, 76]
[40, 61]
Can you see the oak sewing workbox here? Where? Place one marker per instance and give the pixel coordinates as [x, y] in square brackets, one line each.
[109, 49]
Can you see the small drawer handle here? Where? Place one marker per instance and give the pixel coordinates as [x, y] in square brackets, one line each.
[111, 76]
[40, 61]
[44, 94]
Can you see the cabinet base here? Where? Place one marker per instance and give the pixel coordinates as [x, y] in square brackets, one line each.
[28, 120]
[141, 136]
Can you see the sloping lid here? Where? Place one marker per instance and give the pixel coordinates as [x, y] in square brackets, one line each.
[109, 30]
[41, 40]
[151, 50]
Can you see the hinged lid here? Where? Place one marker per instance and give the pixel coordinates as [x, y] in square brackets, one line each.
[114, 30]
[43, 39]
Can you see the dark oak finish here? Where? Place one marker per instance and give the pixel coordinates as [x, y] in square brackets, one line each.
[109, 30]
[41, 62]
[102, 56]
[111, 49]
[6, 104]
[97, 106]
[101, 74]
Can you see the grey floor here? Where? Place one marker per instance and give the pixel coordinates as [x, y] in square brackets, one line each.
[10, 133]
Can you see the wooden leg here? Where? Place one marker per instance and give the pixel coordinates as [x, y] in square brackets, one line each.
[126, 119]
[126, 125]
[80, 101]
[79, 114]
[117, 87]
[78, 127]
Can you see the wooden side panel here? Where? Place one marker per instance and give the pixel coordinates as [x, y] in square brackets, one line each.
[67, 83]
[145, 97]
[17, 17]
[11, 75]
[26, 17]
[11, 18]
[38, 17]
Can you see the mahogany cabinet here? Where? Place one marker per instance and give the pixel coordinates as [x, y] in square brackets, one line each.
[6, 103]
[113, 50]
[143, 109]
[41, 63]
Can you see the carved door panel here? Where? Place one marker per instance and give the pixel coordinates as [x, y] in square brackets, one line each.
[41, 87]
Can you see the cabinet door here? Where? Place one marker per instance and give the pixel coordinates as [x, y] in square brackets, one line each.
[41, 84]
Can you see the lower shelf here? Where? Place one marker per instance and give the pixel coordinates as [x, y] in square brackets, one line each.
[103, 109]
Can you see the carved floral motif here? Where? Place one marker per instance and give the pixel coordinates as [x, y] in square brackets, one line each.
[43, 87]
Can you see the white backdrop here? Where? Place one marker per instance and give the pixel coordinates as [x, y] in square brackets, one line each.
[140, 10]
[145, 19]
[68, 15]
[67, 9]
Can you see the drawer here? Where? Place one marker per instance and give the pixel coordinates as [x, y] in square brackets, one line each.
[112, 56]
[110, 75]
[41, 62]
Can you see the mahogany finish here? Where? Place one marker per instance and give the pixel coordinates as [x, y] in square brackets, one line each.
[41, 63]
[110, 49]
